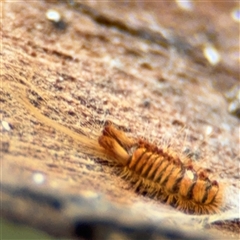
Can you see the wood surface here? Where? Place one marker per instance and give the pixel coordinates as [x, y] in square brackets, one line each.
[138, 64]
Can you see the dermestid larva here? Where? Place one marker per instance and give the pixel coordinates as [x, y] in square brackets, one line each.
[162, 173]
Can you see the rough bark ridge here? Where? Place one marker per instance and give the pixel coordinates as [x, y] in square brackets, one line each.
[140, 65]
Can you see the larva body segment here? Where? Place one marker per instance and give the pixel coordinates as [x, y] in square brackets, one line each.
[160, 172]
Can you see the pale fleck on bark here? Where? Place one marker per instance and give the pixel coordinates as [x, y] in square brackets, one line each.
[140, 65]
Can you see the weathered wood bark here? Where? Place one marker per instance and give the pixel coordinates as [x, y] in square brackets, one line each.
[140, 65]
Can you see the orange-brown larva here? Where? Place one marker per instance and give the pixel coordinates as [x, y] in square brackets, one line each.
[160, 172]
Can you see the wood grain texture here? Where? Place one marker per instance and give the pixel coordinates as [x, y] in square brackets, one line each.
[139, 65]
